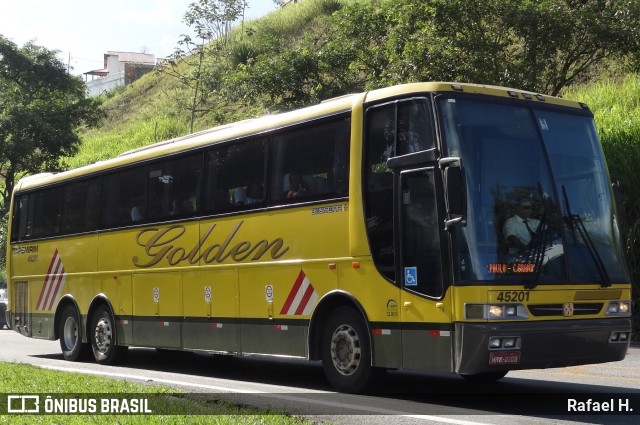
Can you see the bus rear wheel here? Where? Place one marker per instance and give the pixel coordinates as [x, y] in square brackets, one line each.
[103, 337]
[70, 337]
[346, 352]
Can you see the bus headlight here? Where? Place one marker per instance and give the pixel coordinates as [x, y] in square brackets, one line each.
[499, 311]
[510, 311]
[495, 311]
[619, 308]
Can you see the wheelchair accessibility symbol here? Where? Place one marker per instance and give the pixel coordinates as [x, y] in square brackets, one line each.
[410, 276]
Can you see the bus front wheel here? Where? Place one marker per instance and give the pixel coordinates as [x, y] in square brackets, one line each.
[346, 352]
[103, 337]
[70, 338]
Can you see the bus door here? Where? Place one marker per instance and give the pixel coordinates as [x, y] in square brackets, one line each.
[425, 314]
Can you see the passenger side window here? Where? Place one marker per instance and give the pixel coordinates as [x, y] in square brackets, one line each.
[234, 177]
[125, 201]
[414, 127]
[174, 188]
[44, 213]
[21, 226]
[80, 206]
[311, 162]
[380, 136]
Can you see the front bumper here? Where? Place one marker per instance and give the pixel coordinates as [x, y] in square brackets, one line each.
[542, 344]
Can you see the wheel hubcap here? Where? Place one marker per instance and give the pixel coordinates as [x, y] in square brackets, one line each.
[103, 334]
[70, 333]
[345, 350]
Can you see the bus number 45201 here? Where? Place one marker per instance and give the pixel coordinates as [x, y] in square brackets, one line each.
[513, 296]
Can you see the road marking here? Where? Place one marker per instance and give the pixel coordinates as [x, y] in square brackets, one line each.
[365, 409]
[150, 379]
[573, 373]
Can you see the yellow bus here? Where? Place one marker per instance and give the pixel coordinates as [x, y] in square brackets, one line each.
[430, 226]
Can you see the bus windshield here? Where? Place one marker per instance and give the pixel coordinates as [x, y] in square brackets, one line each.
[539, 205]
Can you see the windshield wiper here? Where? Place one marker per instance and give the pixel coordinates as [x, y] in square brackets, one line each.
[575, 222]
[539, 244]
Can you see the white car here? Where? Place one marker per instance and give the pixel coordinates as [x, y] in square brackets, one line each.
[3, 307]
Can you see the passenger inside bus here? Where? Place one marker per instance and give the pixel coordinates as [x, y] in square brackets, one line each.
[297, 186]
[254, 194]
[249, 195]
[182, 207]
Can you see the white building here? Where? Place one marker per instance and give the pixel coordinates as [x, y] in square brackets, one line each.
[120, 69]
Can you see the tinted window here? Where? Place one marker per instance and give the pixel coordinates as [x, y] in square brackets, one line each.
[414, 127]
[44, 213]
[227, 178]
[393, 129]
[421, 259]
[234, 177]
[80, 206]
[20, 225]
[379, 147]
[174, 188]
[125, 200]
[310, 162]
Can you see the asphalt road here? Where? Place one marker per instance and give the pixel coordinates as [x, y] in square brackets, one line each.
[299, 387]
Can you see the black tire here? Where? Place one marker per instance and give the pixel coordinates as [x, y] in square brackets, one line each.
[3, 317]
[486, 376]
[346, 351]
[102, 334]
[69, 331]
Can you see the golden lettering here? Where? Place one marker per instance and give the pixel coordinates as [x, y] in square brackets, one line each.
[158, 245]
[264, 247]
[239, 249]
[164, 244]
[219, 249]
[193, 256]
[176, 256]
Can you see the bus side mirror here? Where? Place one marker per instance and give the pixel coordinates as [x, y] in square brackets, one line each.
[455, 192]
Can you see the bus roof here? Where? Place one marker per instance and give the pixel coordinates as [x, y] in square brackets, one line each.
[267, 123]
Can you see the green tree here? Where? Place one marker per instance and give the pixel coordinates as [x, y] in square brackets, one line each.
[540, 45]
[211, 22]
[41, 109]
[301, 68]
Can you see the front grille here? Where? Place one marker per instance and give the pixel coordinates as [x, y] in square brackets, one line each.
[579, 309]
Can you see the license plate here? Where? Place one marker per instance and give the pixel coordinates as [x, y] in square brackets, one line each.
[504, 357]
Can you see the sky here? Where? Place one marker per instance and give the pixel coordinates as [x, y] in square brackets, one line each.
[83, 30]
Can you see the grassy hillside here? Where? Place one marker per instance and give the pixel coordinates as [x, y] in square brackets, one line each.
[152, 109]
